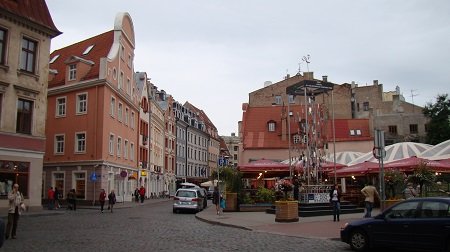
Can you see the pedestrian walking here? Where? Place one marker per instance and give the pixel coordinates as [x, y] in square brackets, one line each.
[335, 200]
[142, 193]
[370, 192]
[111, 200]
[57, 195]
[72, 200]
[216, 199]
[51, 198]
[102, 199]
[16, 205]
[409, 191]
[136, 195]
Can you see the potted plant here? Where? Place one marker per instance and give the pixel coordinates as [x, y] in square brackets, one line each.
[286, 210]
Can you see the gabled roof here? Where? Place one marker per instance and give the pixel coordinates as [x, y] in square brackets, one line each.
[102, 45]
[201, 115]
[256, 134]
[35, 11]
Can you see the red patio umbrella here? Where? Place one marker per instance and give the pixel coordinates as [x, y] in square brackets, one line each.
[408, 164]
[360, 169]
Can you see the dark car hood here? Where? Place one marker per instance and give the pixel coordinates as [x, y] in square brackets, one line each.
[364, 221]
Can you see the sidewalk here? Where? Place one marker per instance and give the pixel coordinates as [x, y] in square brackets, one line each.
[45, 212]
[310, 227]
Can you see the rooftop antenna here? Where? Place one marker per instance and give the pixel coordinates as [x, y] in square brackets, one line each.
[412, 97]
[299, 68]
[307, 60]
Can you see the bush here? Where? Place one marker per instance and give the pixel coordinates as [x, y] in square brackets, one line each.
[265, 195]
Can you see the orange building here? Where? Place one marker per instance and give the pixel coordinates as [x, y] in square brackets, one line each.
[93, 116]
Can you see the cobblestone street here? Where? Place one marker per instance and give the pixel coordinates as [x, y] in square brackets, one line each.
[150, 227]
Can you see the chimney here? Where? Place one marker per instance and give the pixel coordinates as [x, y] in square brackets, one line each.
[308, 75]
[375, 82]
[233, 134]
[325, 78]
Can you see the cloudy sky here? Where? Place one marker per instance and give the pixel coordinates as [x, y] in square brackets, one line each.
[213, 53]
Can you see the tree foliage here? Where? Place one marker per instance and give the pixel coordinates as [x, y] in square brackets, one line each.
[439, 114]
[423, 175]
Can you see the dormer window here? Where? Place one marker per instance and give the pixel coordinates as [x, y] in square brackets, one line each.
[72, 72]
[271, 126]
[88, 49]
[54, 59]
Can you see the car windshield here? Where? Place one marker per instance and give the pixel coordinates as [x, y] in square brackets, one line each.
[188, 194]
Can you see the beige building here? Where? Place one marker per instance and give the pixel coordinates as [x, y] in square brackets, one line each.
[157, 144]
[24, 55]
[233, 144]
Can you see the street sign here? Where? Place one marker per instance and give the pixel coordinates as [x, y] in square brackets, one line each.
[93, 177]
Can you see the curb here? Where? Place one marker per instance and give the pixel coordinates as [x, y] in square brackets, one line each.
[221, 223]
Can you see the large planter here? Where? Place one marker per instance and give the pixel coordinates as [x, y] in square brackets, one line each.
[286, 211]
[231, 202]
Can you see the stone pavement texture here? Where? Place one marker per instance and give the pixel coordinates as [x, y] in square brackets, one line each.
[306, 227]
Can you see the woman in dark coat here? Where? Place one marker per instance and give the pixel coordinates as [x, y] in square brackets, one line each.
[111, 200]
[335, 200]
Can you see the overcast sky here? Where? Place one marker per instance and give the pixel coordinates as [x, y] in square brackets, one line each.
[214, 53]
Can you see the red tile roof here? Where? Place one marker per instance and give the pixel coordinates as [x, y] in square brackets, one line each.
[102, 45]
[33, 10]
[257, 136]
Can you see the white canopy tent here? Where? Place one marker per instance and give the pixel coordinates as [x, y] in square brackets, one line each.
[396, 152]
[438, 152]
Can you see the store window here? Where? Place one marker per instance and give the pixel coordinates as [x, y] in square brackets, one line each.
[58, 178]
[12, 172]
[80, 184]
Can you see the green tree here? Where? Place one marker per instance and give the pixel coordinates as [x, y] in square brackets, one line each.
[422, 175]
[439, 114]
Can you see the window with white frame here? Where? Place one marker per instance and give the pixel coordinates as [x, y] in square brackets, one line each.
[121, 81]
[112, 106]
[128, 86]
[119, 146]
[59, 144]
[125, 149]
[271, 126]
[111, 144]
[82, 103]
[61, 106]
[80, 142]
[291, 99]
[132, 151]
[132, 120]
[79, 180]
[278, 99]
[120, 112]
[72, 72]
[126, 115]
